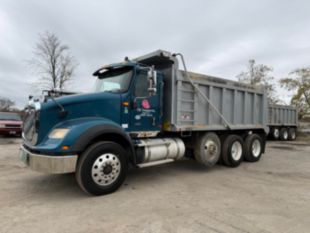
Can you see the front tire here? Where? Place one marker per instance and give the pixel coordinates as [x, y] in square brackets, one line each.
[232, 151]
[102, 168]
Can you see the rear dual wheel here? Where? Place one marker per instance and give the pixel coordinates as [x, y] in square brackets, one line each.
[291, 134]
[232, 150]
[208, 149]
[253, 147]
[275, 133]
[283, 134]
[235, 149]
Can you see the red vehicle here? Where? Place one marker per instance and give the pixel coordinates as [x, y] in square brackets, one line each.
[10, 124]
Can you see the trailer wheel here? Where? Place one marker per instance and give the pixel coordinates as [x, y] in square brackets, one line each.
[232, 151]
[283, 134]
[253, 148]
[291, 134]
[102, 168]
[275, 133]
[208, 149]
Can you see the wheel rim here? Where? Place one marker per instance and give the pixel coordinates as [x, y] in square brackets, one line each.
[276, 133]
[236, 150]
[106, 169]
[211, 148]
[285, 134]
[256, 148]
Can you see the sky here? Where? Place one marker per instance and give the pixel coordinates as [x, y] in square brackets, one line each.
[216, 37]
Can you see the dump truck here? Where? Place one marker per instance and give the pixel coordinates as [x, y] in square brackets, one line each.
[144, 112]
[282, 122]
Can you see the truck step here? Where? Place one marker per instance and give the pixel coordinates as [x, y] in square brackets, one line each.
[154, 163]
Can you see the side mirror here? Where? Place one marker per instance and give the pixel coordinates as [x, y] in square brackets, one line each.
[152, 80]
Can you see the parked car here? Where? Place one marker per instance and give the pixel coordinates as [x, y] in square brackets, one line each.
[10, 124]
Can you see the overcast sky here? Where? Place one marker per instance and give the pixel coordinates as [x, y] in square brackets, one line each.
[216, 37]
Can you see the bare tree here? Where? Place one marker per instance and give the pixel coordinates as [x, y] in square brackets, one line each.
[53, 61]
[259, 74]
[6, 104]
[299, 81]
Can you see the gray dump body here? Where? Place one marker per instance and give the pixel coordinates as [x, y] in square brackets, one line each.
[282, 115]
[236, 106]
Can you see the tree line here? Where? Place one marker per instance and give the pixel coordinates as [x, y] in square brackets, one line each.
[53, 63]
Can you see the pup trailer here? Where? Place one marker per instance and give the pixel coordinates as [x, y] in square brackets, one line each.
[144, 112]
[282, 122]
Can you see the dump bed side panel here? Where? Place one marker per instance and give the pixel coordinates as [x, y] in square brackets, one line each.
[242, 106]
[282, 115]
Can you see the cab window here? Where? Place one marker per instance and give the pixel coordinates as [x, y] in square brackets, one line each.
[141, 87]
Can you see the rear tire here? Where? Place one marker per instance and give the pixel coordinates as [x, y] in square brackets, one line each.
[208, 149]
[291, 134]
[283, 134]
[232, 151]
[102, 168]
[275, 133]
[253, 148]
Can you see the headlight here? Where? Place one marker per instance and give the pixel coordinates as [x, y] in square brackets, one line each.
[2, 126]
[58, 133]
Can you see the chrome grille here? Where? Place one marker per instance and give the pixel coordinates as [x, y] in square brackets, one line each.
[30, 128]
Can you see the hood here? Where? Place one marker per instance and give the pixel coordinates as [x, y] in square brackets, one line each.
[105, 105]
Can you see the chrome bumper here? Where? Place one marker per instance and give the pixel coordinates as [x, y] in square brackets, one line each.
[48, 164]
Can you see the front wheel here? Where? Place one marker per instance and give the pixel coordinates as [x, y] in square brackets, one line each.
[102, 168]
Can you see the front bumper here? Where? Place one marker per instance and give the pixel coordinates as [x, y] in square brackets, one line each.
[48, 164]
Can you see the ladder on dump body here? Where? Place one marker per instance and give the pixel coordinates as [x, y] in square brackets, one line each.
[186, 97]
[194, 109]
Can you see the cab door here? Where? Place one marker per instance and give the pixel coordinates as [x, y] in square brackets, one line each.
[145, 114]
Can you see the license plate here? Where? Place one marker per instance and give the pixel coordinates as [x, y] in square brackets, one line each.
[12, 132]
[24, 157]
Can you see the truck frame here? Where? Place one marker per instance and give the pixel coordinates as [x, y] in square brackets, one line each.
[145, 112]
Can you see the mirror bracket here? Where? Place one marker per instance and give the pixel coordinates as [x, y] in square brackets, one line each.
[152, 78]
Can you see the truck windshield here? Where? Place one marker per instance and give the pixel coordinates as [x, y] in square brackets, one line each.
[9, 116]
[114, 80]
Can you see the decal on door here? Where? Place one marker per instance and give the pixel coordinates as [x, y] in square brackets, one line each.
[146, 104]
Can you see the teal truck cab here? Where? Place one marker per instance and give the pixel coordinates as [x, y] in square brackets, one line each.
[142, 112]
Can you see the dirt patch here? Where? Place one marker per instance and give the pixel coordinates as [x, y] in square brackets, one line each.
[272, 195]
[283, 147]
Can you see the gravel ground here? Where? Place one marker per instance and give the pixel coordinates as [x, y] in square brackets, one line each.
[272, 195]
